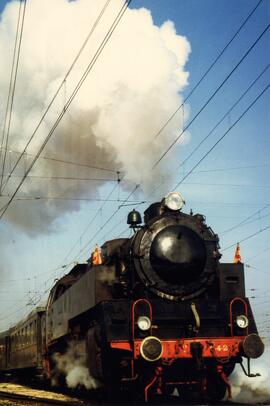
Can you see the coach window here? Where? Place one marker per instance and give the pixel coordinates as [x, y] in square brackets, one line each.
[34, 330]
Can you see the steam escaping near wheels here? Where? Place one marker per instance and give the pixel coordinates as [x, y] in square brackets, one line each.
[253, 390]
[71, 365]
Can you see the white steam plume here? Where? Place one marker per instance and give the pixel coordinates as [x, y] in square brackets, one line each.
[72, 364]
[253, 390]
[131, 91]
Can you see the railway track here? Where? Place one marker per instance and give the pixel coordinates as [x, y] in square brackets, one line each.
[13, 399]
[31, 400]
[11, 394]
[18, 395]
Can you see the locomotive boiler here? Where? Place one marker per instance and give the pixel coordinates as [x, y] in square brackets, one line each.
[155, 312]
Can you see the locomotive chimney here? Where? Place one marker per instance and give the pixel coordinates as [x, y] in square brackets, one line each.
[134, 219]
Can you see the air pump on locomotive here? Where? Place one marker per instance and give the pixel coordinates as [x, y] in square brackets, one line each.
[159, 313]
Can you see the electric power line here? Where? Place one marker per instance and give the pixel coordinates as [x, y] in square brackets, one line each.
[59, 88]
[80, 164]
[224, 135]
[106, 222]
[210, 67]
[78, 86]
[68, 178]
[226, 114]
[248, 237]
[12, 86]
[11, 78]
[66, 198]
[233, 168]
[91, 222]
[212, 95]
[245, 220]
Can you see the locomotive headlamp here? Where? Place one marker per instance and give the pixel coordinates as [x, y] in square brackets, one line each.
[174, 201]
[242, 321]
[144, 323]
[151, 349]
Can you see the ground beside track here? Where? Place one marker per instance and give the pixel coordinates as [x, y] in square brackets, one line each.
[13, 394]
[18, 395]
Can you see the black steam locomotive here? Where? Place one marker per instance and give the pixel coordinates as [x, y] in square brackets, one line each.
[154, 313]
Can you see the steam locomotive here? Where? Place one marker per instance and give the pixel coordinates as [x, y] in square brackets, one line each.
[152, 313]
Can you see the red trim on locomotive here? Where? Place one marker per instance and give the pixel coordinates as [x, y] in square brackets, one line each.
[133, 314]
[244, 303]
[221, 347]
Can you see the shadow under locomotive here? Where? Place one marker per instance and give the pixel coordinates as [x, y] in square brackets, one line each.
[159, 313]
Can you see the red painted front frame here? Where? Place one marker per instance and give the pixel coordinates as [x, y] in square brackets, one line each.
[222, 347]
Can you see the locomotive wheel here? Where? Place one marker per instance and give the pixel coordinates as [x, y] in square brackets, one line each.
[189, 394]
[215, 388]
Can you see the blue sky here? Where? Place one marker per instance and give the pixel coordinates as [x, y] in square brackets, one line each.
[231, 184]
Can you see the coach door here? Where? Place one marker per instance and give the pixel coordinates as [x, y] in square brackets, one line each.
[7, 352]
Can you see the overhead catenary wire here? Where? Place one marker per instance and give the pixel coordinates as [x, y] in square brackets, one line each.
[209, 68]
[210, 132]
[86, 165]
[226, 114]
[224, 135]
[104, 224]
[80, 164]
[10, 80]
[72, 262]
[18, 310]
[252, 186]
[87, 199]
[12, 86]
[212, 95]
[78, 86]
[232, 168]
[247, 238]
[245, 220]
[216, 126]
[99, 210]
[259, 253]
[59, 88]
[252, 221]
[67, 162]
[33, 177]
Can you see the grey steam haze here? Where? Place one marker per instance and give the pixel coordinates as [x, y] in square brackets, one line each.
[253, 390]
[133, 88]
